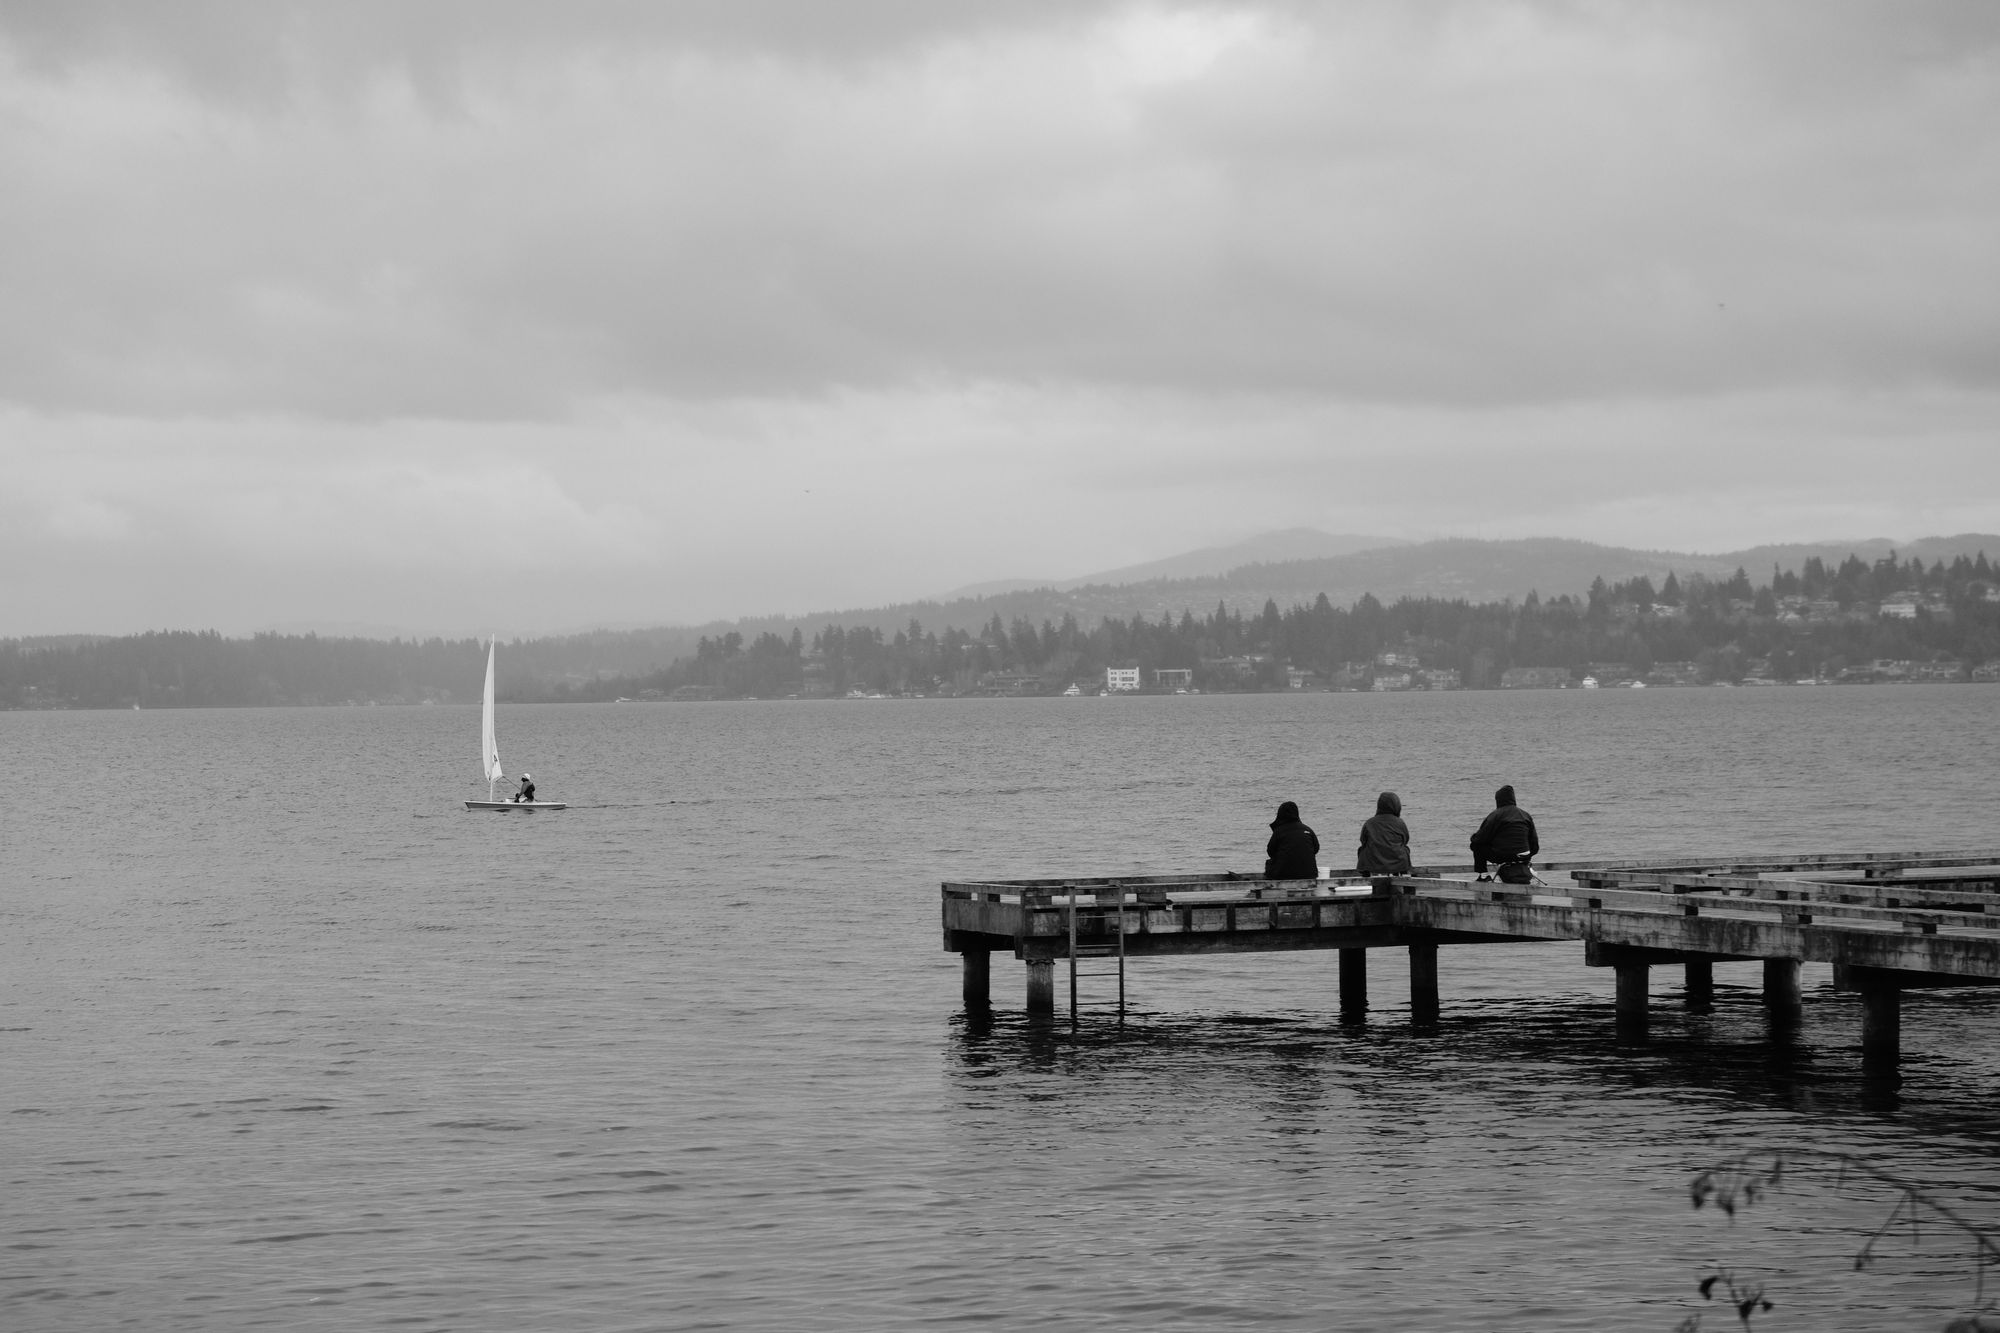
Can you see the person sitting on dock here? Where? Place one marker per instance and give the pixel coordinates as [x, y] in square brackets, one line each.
[1506, 837]
[1385, 840]
[1293, 851]
[527, 791]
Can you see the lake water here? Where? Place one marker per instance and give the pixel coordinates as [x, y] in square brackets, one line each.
[291, 1040]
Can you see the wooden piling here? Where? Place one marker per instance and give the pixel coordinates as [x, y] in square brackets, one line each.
[978, 978]
[1632, 998]
[1353, 982]
[1700, 989]
[1041, 985]
[1423, 983]
[1781, 990]
[1881, 1027]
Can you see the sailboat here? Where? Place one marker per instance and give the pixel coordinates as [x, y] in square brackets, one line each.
[489, 755]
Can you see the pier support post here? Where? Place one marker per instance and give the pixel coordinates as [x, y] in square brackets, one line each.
[1781, 990]
[1881, 1027]
[1423, 983]
[1041, 985]
[1700, 985]
[978, 978]
[1632, 1000]
[1353, 983]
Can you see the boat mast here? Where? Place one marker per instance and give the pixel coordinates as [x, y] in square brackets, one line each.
[489, 746]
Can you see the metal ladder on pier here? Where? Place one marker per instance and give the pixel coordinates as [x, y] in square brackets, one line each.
[1115, 920]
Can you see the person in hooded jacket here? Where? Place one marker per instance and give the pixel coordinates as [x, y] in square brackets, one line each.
[1506, 837]
[1385, 840]
[1293, 851]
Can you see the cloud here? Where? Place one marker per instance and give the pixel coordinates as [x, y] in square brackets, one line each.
[675, 311]
[88, 521]
[1442, 203]
[663, 512]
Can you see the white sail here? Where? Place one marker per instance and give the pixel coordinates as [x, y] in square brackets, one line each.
[489, 754]
[489, 747]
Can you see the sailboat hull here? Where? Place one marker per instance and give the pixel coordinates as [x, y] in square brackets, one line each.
[517, 805]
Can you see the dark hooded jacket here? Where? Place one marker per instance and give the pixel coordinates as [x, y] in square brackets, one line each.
[1505, 833]
[1385, 839]
[1293, 851]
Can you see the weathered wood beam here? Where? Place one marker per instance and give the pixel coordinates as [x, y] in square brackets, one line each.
[1898, 893]
[1738, 937]
[959, 941]
[1785, 904]
[1256, 941]
[1211, 918]
[1517, 920]
[1416, 933]
[1597, 954]
[977, 980]
[1844, 978]
[962, 916]
[1814, 861]
[1873, 893]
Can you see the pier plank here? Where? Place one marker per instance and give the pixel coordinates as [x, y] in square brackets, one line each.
[1756, 904]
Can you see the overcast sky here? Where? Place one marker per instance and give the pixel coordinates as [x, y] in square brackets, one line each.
[449, 316]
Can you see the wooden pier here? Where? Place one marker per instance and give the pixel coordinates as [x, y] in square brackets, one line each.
[1888, 922]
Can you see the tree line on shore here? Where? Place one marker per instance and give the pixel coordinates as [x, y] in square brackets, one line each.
[1815, 621]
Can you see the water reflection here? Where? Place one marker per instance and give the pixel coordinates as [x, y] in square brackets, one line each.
[1181, 1152]
[1732, 1052]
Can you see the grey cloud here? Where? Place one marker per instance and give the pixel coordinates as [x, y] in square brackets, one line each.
[506, 211]
[267, 51]
[705, 510]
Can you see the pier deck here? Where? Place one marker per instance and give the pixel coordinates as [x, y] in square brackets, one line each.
[1886, 921]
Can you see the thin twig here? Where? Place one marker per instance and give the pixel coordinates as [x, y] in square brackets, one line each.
[1743, 1176]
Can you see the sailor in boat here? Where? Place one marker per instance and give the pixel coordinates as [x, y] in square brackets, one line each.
[527, 791]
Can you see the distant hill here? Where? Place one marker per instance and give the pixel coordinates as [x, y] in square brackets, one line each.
[1486, 571]
[1474, 571]
[1759, 559]
[1270, 547]
[1478, 571]
[205, 669]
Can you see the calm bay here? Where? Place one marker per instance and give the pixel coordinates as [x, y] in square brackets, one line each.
[292, 1040]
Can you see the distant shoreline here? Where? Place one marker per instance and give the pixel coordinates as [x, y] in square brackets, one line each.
[1848, 623]
[1757, 687]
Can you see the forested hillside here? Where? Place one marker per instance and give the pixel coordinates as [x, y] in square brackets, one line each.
[1851, 620]
[1818, 622]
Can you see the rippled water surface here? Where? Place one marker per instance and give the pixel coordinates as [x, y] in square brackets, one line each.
[291, 1040]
